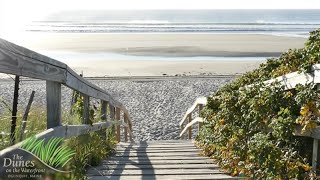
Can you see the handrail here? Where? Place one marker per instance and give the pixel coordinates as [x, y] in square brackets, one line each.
[21, 61]
[200, 102]
[289, 81]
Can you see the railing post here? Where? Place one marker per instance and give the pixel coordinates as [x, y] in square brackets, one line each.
[126, 128]
[118, 124]
[86, 109]
[53, 90]
[190, 128]
[103, 117]
[182, 127]
[200, 123]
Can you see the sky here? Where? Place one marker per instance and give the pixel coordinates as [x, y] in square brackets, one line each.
[14, 14]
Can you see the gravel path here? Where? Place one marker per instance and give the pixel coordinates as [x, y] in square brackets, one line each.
[155, 106]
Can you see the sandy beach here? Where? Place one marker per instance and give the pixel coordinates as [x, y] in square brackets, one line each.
[90, 53]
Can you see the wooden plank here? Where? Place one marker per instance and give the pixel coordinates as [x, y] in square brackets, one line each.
[157, 158]
[14, 110]
[86, 109]
[157, 166]
[22, 65]
[156, 150]
[196, 120]
[200, 123]
[53, 104]
[159, 161]
[125, 128]
[76, 82]
[118, 124]
[158, 154]
[103, 115]
[73, 130]
[200, 100]
[25, 116]
[19, 50]
[91, 172]
[190, 127]
[164, 177]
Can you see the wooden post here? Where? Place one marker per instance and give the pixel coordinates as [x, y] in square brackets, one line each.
[14, 110]
[126, 128]
[86, 109]
[103, 117]
[25, 116]
[182, 127]
[118, 123]
[190, 129]
[53, 104]
[315, 154]
[200, 123]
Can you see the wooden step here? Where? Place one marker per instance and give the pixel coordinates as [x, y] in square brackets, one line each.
[157, 160]
[164, 177]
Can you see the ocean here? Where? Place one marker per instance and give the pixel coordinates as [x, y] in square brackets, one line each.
[297, 23]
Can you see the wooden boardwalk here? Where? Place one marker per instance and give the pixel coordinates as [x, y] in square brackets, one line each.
[157, 160]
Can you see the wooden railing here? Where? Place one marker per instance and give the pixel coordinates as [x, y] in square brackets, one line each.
[199, 103]
[20, 61]
[289, 81]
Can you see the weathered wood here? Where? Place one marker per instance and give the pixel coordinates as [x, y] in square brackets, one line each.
[19, 64]
[146, 158]
[118, 124]
[161, 154]
[162, 177]
[103, 115]
[125, 128]
[25, 116]
[123, 172]
[73, 130]
[181, 129]
[176, 163]
[53, 104]
[143, 150]
[200, 123]
[14, 110]
[158, 166]
[196, 120]
[190, 129]
[200, 100]
[86, 109]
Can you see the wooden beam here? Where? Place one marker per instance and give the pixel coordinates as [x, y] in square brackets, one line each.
[126, 128]
[200, 100]
[86, 109]
[196, 120]
[190, 128]
[14, 110]
[53, 104]
[200, 123]
[25, 116]
[103, 117]
[118, 124]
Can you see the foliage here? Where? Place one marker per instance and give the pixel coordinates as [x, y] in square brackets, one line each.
[249, 131]
[90, 150]
[50, 152]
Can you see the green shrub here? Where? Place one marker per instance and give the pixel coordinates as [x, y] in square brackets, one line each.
[249, 131]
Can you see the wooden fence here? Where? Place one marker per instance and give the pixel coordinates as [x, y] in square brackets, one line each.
[289, 81]
[20, 61]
